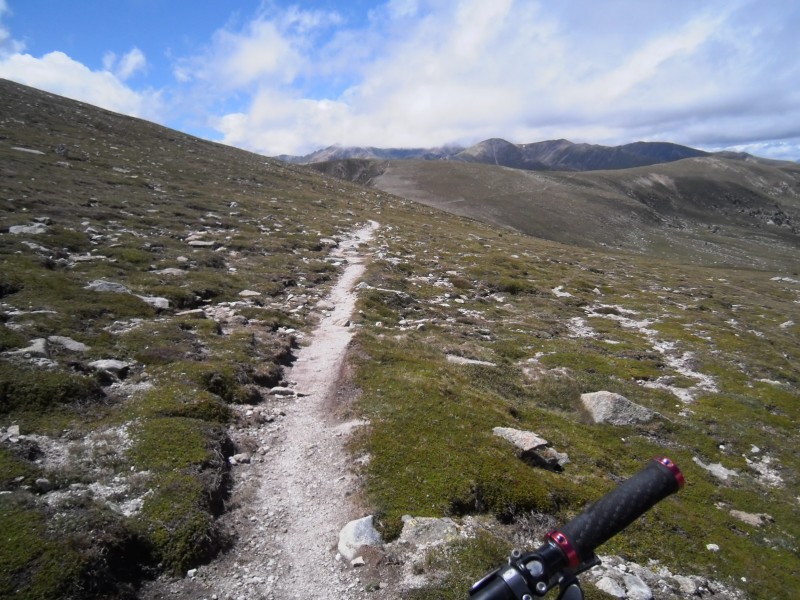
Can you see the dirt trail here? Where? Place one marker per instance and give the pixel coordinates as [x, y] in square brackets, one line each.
[313, 478]
[290, 503]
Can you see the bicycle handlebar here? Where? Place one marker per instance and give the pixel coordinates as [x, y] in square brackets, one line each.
[616, 510]
[571, 550]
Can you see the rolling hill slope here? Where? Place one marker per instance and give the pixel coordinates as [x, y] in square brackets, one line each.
[707, 210]
[154, 286]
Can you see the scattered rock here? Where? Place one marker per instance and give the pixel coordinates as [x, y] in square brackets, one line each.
[43, 485]
[100, 285]
[155, 301]
[716, 469]
[765, 471]
[358, 561]
[172, 272]
[424, 532]
[460, 360]
[36, 349]
[328, 243]
[35, 229]
[240, 459]
[635, 588]
[68, 343]
[524, 440]
[622, 579]
[249, 293]
[610, 587]
[325, 306]
[712, 547]
[608, 407]
[197, 313]
[534, 450]
[281, 391]
[116, 369]
[356, 534]
[754, 519]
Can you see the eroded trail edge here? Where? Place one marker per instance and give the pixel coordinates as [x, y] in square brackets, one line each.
[310, 479]
[293, 490]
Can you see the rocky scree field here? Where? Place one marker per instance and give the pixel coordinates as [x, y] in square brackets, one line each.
[154, 285]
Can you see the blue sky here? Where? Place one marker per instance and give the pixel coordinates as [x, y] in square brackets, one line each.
[291, 77]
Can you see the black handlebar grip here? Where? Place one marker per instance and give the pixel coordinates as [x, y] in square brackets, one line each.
[616, 510]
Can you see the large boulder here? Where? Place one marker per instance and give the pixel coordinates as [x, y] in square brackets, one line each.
[608, 407]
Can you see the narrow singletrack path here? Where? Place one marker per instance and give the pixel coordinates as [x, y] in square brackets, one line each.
[289, 505]
[312, 478]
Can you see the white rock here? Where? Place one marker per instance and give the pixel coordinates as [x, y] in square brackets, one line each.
[717, 470]
[243, 458]
[608, 407]
[356, 534]
[636, 588]
[281, 391]
[610, 587]
[249, 293]
[36, 349]
[35, 229]
[171, 271]
[712, 547]
[111, 365]
[155, 301]
[524, 440]
[754, 519]
[100, 285]
[68, 343]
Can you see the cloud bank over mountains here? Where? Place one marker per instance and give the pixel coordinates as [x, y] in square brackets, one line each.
[286, 79]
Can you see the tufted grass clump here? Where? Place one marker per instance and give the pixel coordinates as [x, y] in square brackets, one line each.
[48, 555]
[23, 388]
[187, 459]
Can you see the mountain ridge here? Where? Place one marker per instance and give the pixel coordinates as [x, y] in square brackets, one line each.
[548, 155]
[708, 210]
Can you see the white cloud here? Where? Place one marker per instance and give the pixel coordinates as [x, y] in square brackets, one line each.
[60, 74]
[266, 52]
[8, 45]
[131, 63]
[438, 71]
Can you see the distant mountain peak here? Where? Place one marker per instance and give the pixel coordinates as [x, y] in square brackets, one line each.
[549, 155]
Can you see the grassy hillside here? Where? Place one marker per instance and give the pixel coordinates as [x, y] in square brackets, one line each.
[137, 455]
[706, 211]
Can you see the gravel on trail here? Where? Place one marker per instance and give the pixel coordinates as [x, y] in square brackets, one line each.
[295, 494]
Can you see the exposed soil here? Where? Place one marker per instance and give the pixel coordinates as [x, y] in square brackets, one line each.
[298, 490]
